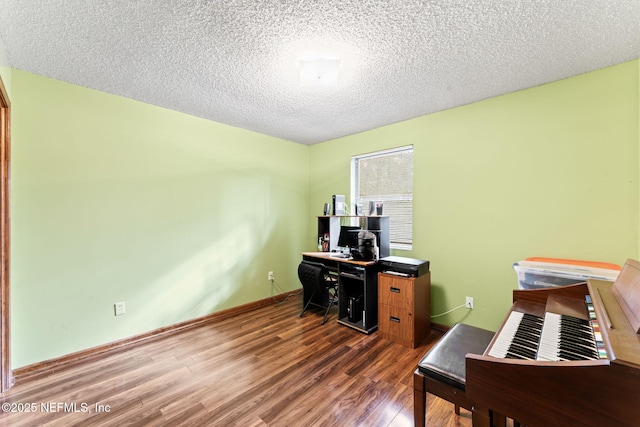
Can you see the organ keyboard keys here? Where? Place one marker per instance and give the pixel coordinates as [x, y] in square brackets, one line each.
[566, 338]
[519, 337]
[556, 337]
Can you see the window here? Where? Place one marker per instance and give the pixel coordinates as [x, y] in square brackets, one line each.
[387, 177]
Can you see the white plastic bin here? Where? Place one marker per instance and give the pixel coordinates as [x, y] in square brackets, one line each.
[538, 273]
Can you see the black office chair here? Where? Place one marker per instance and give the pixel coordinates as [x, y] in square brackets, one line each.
[319, 285]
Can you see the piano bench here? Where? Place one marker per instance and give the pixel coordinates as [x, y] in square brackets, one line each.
[441, 371]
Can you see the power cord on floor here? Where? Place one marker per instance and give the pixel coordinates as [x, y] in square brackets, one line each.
[274, 285]
[450, 311]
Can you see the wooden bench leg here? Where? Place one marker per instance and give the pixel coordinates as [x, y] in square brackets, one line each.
[419, 400]
[499, 420]
[481, 417]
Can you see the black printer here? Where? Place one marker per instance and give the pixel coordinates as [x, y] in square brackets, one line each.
[404, 266]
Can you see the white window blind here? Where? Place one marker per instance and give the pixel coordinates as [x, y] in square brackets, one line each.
[387, 177]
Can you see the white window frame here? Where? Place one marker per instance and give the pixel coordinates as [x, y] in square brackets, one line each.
[355, 192]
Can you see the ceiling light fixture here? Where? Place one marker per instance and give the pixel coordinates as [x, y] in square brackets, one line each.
[319, 72]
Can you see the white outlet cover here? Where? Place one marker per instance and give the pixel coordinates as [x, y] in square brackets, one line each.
[119, 308]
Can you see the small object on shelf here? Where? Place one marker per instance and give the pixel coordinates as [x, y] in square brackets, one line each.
[372, 208]
[338, 204]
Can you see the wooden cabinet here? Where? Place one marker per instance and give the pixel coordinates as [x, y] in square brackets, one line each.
[404, 308]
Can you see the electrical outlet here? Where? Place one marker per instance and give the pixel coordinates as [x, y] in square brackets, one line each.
[469, 303]
[119, 308]
[270, 275]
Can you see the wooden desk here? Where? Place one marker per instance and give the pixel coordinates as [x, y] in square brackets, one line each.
[355, 279]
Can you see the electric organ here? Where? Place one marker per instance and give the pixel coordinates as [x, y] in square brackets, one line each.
[565, 356]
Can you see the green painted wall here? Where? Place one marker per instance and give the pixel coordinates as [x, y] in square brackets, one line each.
[549, 171]
[117, 200]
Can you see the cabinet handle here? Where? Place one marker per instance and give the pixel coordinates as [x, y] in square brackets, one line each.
[396, 290]
[395, 319]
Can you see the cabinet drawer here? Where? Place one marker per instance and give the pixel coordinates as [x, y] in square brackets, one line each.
[396, 321]
[396, 292]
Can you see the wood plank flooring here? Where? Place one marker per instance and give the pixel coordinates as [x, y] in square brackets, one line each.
[266, 368]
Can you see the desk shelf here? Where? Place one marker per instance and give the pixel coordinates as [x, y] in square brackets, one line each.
[352, 276]
[329, 228]
[357, 325]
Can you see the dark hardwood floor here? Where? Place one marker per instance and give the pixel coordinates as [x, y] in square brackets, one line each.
[266, 368]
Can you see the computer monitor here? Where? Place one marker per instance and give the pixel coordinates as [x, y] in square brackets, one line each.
[348, 236]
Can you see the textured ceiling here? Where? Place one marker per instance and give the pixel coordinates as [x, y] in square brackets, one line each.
[235, 61]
